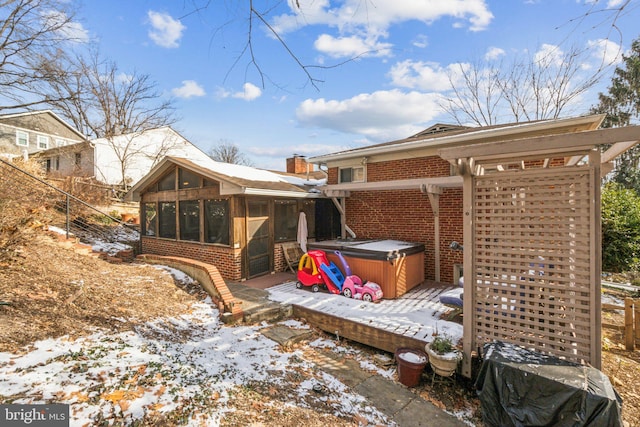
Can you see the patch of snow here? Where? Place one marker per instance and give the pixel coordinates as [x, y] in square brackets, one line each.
[416, 317]
[251, 173]
[178, 275]
[412, 357]
[164, 365]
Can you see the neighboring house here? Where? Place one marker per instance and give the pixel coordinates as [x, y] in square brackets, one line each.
[232, 216]
[120, 160]
[35, 131]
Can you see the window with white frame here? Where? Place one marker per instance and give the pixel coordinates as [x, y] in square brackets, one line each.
[43, 142]
[60, 142]
[354, 174]
[22, 138]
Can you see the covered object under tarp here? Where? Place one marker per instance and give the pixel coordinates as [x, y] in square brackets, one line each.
[519, 387]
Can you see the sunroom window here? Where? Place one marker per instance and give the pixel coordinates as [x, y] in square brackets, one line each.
[167, 220]
[150, 219]
[188, 179]
[286, 220]
[167, 183]
[216, 221]
[190, 220]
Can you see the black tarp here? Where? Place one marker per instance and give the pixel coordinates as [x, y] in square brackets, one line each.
[519, 387]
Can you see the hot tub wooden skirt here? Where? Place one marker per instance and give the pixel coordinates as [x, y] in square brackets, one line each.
[395, 277]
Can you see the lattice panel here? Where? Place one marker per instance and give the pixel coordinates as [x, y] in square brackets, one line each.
[532, 260]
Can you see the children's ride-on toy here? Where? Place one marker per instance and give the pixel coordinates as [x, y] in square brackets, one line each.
[354, 287]
[315, 270]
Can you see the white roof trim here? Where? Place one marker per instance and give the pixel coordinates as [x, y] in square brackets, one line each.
[470, 137]
[400, 184]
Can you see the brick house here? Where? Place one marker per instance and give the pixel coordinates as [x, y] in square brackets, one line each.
[234, 217]
[523, 199]
[405, 190]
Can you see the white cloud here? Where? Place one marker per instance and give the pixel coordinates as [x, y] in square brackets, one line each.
[165, 31]
[376, 17]
[549, 54]
[421, 41]
[605, 52]
[421, 75]
[340, 47]
[249, 92]
[71, 31]
[189, 89]
[381, 116]
[123, 78]
[494, 53]
[614, 3]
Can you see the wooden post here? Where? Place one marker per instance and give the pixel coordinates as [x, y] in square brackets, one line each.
[469, 267]
[636, 316]
[629, 335]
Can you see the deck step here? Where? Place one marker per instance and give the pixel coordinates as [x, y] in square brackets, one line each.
[268, 312]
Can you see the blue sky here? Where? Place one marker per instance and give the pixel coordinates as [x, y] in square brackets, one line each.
[404, 50]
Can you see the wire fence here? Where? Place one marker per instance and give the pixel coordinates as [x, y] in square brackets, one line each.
[75, 217]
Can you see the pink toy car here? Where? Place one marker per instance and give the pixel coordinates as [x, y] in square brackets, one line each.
[354, 287]
[367, 291]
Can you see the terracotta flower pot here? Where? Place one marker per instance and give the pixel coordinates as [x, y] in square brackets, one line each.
[411, 363]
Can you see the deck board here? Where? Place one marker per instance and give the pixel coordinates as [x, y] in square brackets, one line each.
[410, 320]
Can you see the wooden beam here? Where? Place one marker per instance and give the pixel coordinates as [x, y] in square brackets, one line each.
[616, 149]
[585, 140]
[400, 184]
[434, 199]
[336, 193]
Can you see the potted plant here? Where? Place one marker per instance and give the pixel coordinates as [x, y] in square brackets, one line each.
[443, 356]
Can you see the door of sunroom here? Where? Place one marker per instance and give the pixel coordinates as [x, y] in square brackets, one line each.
[258, 247]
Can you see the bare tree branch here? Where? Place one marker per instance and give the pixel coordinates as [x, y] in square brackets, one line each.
[32, 34]
[228, 152]
[533, 88]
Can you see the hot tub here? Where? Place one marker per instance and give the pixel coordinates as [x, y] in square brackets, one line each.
[395, 265]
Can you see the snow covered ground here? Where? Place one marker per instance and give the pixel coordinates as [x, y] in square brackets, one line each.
[189, 364]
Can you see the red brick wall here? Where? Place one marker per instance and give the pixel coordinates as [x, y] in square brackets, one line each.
[420, 167]
[226, 260]
[406, 214]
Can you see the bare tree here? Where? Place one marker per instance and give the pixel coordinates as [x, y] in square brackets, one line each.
[534, 88]
[32, 34]
[228, 152]
[105, 103]
[102, 101]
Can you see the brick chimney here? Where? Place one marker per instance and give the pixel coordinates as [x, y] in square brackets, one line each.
[298, 164]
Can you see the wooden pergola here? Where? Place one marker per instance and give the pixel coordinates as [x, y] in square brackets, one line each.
[532, 240]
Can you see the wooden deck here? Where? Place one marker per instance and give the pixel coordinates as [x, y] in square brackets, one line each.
[408, 321]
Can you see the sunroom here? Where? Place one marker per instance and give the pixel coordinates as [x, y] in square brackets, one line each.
[234, 217]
